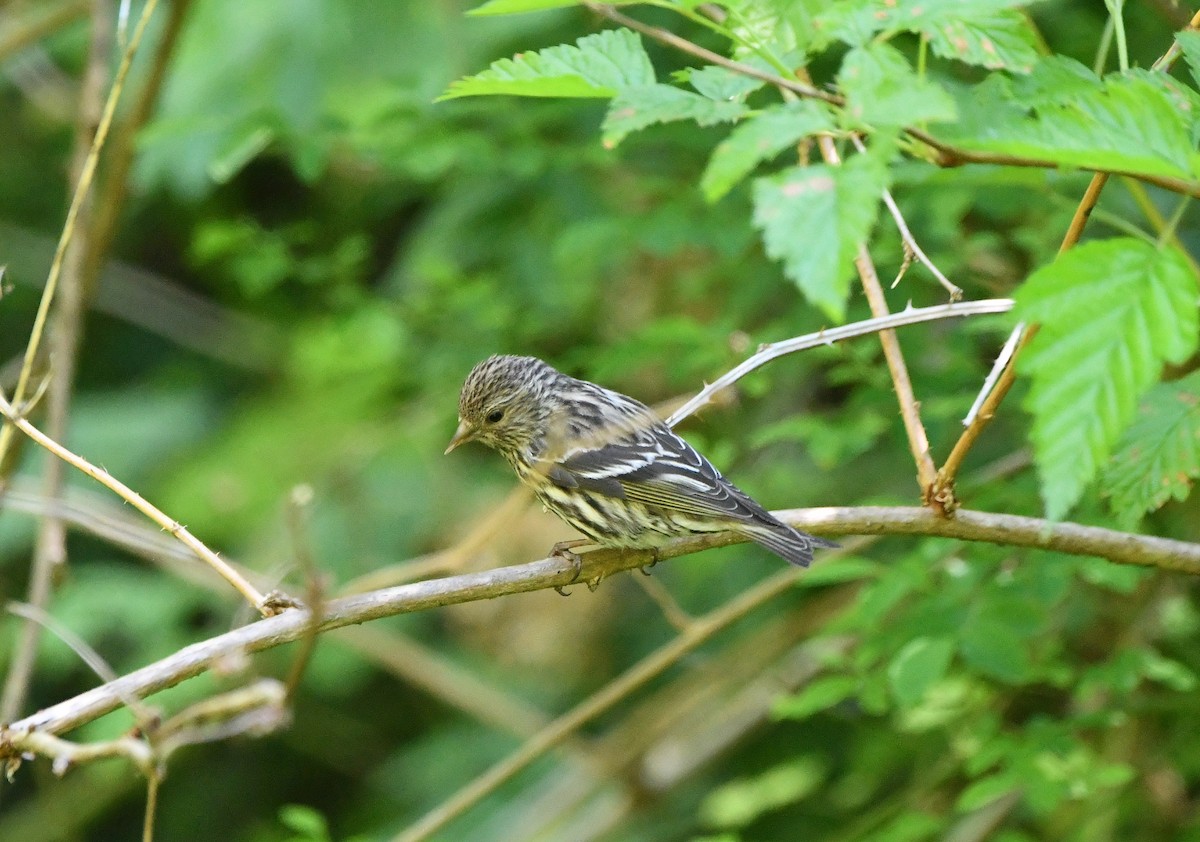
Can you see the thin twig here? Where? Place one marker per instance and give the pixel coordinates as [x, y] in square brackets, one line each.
[1003, 529]
[828, 336]
[909, 240]
[50, 546]
[82, 187]
[670, 607]
[998, 366]
[910, 414]
[267, 605]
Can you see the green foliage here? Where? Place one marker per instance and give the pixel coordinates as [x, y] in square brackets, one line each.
[1111, 313]
[1089, 123]
[835, 207]
[1159, 455]
[882, 89]
[599, 65]
[636, 108]
[760, 139]
[312, 254]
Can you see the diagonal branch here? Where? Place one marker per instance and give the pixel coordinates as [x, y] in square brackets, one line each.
[775, 350]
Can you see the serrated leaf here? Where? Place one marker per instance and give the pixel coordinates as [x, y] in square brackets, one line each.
[820, 694]
[599, 66]
[921, 664]
[1111, 312]
[976, 33]
[813, 219]
[987, 33]
[1159, 455]
[759, 139]
[1122, 124]
[882, 89]
[722, 84]
[636, 108]
[1189, 42]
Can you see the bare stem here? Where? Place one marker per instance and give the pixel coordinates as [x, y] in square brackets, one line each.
[828, 336]
[140, 503]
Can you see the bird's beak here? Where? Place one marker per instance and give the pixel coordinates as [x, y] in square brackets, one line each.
[465, 432]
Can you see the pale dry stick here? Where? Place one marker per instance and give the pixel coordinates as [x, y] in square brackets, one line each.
[906, 235]
[267, 605]
[82, 188]
[50, 545]
[910, 413]
[767, 353]
[967, 525]
[1006, 352]
[697, 633]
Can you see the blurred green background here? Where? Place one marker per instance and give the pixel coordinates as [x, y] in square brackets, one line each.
[310, 258]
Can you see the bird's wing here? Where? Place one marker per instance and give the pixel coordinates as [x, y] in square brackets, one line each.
[655, 467]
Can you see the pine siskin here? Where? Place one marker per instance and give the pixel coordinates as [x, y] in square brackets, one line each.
[606, 464]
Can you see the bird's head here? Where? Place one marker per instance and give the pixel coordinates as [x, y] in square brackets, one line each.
[503, 404]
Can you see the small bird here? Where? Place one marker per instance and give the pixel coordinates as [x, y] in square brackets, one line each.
[607, 464]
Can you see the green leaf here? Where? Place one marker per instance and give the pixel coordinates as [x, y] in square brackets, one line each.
[1123, 123]
[976, 33]
[917, 667]
[1189, 41]
[759, 139]
[740, 802]
[995, 650]
[636, 108]
[980, 32]
[721, 83]
[515, 7]
[1111, 312]
[820, 694]
[599, 66]
[813, 219]
[986, 790]
[882, 89]
[1159, 455]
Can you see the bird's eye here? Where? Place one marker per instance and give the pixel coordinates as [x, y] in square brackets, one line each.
[494, 416]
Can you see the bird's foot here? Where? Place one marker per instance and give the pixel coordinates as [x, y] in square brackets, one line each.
[565, 551]
[645, 568]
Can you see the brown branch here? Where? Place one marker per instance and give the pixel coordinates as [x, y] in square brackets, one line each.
[1010, 530]
[918, 441]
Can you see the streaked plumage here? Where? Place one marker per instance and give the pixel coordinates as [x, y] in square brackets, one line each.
[606, 464]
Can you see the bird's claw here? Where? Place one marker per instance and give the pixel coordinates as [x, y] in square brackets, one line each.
[565, 551]
[645, 568]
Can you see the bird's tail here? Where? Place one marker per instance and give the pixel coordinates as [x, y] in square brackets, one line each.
[792, 545]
